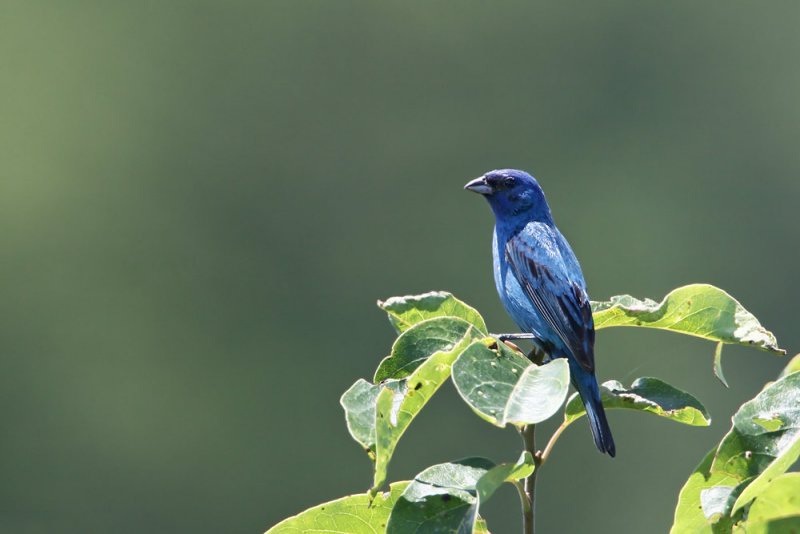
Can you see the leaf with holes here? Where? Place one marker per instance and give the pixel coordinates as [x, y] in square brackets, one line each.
[396, 406]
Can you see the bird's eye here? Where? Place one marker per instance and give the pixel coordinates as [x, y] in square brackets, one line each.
[508, 182]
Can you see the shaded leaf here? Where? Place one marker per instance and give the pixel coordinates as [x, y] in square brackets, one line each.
[778, 506]
[446, 497]
[405, 312]
[700, 310]
[647, 395]
[419, 342]
[504, 387]
[348, 515]
[397, 405]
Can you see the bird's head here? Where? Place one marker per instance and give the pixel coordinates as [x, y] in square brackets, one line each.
[515, 196]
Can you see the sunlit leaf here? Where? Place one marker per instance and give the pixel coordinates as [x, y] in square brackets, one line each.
[778, 460]
[776, 509]
[762, 444]
[355, 514]
[765, 439]
[446, 497]
[689, 514]
[700, 310]
[649, 395]
[397, 406]
[405, 312]
[792, 367]
[419, 342]
[481, 527]
[504, 387]
[359, 406]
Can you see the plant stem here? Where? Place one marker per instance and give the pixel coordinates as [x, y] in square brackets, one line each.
[552, 442]
[528, 490]
[523, 498]
[529, 494]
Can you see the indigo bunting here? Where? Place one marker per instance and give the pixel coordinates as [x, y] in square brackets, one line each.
[541, 285]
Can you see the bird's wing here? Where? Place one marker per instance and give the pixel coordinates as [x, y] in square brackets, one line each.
[557, 293]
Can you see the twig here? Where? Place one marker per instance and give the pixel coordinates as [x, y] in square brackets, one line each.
[544, 455]
[529, 488]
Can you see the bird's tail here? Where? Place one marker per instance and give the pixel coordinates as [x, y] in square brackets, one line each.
[590, 394]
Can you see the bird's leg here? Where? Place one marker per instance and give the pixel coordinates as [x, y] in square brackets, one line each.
[538, 356]
[509, 337]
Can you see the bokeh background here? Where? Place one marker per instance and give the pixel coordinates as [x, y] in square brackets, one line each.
[201, 202]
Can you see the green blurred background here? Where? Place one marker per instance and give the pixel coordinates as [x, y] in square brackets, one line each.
[201, 202]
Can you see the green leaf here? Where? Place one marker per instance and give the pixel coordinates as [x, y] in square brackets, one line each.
[718, 365]
[782, 525]
[504, 387]
[792, 367]
[446, 497]
[405, 312]
[480, 527]
[788, 456]
[359, 409]
[419, 342]
[378, 414]
[398, 405]
[507, 472]
[359, 406]
[714, 501]
[646, 395]
[355, 514]
[689, 513]
[699, 310]
[765, 439]
[762, 444]
[776, 508]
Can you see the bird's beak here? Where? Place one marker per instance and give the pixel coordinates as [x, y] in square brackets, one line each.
[479, 185]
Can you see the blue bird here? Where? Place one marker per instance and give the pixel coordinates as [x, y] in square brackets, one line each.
[541, 284]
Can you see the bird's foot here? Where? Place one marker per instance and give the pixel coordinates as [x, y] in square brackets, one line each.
[508, 337]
